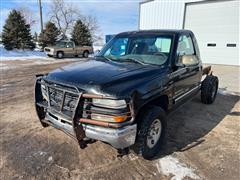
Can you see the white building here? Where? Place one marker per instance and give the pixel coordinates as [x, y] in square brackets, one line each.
[215, 24]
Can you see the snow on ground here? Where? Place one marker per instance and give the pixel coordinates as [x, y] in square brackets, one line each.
[27, 54]
[170, 166]
[227, 92]
[97, 48]
[20, 54]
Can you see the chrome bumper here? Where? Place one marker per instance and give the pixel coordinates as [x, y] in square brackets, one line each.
[59, 123]
[118, 138]
[51, 53]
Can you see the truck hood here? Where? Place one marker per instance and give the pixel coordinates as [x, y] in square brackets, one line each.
[102, 76]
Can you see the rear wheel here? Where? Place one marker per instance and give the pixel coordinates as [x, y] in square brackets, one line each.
[60, 55]
[151, 132]
[85, 54]
[209, 89]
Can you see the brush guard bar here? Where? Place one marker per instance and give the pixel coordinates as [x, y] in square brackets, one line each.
[119, 135]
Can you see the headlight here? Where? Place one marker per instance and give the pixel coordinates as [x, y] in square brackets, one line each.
[44, 92]
[108, 103]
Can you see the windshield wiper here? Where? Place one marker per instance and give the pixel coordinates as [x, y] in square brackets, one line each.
[136, 60]
[104, 57]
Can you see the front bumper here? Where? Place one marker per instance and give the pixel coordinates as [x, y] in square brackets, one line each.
[119, 135]
[119, 138]
[51, 53]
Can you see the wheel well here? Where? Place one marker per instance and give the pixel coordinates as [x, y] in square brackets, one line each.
[60, 51]
[86, 51]
[162, 102]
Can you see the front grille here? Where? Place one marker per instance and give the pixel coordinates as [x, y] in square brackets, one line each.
[62, 103]
[47, 50]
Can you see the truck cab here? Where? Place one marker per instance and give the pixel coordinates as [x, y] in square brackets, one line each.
[123, 95]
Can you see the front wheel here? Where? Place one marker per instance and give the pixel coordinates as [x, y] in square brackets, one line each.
[60, 55]
[151, 132]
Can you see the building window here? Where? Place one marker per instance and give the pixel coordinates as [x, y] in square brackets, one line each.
[211, 44]
[231, 45]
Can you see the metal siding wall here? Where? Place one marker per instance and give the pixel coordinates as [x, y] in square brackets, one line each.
[165, 14]
[162, 14]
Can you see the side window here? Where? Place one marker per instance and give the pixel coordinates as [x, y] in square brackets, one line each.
[186, 51]
[118, 48]
[185, 46]
[69, 45]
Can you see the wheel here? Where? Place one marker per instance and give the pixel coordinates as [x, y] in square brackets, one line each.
[85, 54]
[60, 55]
[209, 89]
[151, 132]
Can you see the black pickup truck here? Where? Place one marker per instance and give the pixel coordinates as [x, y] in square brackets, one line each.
[122, 95]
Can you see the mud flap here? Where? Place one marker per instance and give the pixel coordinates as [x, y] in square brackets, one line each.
[207, 70]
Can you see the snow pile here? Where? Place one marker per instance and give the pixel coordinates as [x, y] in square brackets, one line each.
[97, 48]
[170, 166]
[227, 93]
[20, 54]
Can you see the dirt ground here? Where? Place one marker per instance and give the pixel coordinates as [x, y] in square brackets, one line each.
[202, 140]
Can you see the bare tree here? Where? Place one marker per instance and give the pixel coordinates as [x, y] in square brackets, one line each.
[63, 15]
[29, 15]
[92, 24]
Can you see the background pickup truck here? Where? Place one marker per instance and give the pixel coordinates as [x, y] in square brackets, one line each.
[68, 49]
[122, 95]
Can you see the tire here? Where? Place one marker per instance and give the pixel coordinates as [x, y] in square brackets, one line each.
[145, 146]
[60, 55]
[209, 89]
[85, 54]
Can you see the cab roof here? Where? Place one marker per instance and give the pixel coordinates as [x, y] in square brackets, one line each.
[157, 31]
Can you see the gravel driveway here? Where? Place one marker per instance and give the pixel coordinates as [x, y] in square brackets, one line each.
[202, 140]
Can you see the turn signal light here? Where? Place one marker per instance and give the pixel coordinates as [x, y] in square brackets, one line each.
[120, 118]
[107, 118]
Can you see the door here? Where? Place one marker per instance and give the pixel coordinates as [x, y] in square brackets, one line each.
[188, 72]
[216, 27]
[69, 50]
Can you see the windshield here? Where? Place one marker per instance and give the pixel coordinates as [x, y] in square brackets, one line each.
[139, 49]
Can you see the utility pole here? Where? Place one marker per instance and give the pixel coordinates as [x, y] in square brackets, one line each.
[40, 11]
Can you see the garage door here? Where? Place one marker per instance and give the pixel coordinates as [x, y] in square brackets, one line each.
[216, 27]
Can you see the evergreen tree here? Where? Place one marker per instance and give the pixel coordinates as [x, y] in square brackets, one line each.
[81, 34]
[16, 33]
[49, 35]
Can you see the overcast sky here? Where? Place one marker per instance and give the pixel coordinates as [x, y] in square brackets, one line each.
[113, 15]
